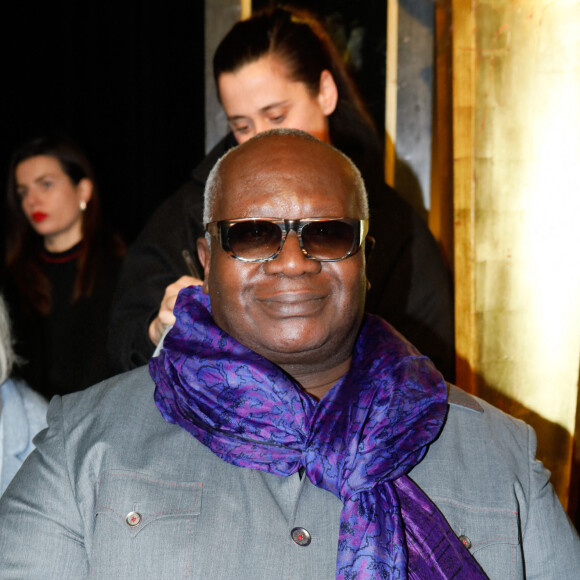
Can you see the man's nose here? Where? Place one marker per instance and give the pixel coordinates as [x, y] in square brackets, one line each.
[291, 260]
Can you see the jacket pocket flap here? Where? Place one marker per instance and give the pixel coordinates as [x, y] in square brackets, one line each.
[135, 500]
[480, 527]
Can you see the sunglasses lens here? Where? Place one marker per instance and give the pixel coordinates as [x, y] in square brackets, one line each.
[328, 240]
[254, 239]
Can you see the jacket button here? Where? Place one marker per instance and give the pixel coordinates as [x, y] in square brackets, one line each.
[465, 541]
[300, 536]
[133, 519]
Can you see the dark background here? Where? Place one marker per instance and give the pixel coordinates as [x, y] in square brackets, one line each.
[127, 82]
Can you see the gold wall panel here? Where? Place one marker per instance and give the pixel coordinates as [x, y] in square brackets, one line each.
[524, 235]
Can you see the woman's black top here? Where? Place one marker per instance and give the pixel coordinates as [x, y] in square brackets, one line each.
[65, 351]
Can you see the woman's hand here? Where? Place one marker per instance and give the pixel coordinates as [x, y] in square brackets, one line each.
[165, 317]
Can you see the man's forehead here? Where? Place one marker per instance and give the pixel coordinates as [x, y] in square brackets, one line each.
[282, 159]
[287, 175]
[263, 151]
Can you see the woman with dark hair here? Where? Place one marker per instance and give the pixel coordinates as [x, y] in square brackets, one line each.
[61, 266]
[279, 69]
[298, 51]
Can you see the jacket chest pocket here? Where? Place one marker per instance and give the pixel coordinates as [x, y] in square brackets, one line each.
[143, 527]
[491, 536]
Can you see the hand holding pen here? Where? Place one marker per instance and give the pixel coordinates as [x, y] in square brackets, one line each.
[165, 317]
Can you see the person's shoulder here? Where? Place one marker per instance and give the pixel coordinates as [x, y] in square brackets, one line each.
[114, 414]
[119, 400]
[121, 387]
[482, 475]
[116, 425]
[459, 398]
[483, 449]
[24, 414]
[461, 401]
[474, 427]
[17, 392]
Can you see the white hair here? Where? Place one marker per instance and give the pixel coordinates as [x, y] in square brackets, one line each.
[213, 184]
[7, 356]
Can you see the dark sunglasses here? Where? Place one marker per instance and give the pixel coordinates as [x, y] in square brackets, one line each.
[261, 239]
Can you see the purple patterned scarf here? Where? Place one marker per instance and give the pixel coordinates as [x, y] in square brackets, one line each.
[358, 442]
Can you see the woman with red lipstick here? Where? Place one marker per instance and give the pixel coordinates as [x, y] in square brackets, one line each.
[62, 267]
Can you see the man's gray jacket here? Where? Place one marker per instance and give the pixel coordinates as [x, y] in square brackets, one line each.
[113, 491]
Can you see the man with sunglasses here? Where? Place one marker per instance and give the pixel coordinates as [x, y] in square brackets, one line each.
[281, 432]
[303, 85]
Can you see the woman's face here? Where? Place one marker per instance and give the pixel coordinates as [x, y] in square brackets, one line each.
[260, 96]
[51, 202]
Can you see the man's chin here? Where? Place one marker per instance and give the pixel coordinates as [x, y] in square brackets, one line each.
[301, 352]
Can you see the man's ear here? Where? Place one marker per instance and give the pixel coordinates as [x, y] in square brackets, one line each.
[369, 246]
[327, 93]
[204, 255]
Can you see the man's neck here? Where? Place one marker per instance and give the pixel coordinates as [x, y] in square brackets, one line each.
[317, 384]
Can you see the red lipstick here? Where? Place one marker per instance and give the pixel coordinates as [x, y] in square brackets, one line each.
[39, 216]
